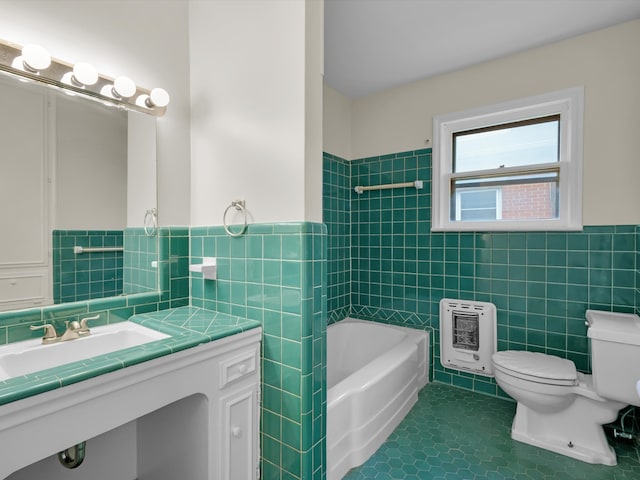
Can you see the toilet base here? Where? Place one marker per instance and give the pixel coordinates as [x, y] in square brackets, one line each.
[575, 431]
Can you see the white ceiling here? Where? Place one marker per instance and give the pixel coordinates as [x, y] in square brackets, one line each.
[373, 45]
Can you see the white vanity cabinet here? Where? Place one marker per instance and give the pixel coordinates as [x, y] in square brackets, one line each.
[192, 415]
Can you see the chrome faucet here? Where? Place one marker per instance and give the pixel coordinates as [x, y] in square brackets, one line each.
[74, 330]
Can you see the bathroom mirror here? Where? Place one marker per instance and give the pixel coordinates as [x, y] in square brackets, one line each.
[73, 173]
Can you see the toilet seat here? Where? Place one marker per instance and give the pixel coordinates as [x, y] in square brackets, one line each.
[536, 367]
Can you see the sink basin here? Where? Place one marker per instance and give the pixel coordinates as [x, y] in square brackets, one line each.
[29, 356]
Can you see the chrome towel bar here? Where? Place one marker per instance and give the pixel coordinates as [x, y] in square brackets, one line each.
[80, 250]
[417, 185]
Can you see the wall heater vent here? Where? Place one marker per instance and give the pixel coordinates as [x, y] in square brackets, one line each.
[467, 335]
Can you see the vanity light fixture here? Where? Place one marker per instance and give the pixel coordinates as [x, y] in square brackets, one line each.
[34, 62]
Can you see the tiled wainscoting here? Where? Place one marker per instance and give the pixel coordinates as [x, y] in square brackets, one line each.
[276, 274]
[385, 264]
[85, 276]
[171, 272]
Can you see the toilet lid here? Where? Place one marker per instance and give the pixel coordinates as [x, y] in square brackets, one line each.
[536, 367]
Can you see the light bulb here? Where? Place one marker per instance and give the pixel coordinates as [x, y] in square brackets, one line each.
[123, 87]
[158, 98]
[84, 74]
[35, 58]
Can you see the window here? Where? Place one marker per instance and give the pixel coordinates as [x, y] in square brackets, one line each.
[478, 204]
[512, 166]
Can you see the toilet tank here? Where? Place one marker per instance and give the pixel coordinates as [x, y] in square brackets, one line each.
[615, 354]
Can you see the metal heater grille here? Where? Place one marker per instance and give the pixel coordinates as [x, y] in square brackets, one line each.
[466, 334]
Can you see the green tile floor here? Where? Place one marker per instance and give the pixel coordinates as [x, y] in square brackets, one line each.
[455, 434]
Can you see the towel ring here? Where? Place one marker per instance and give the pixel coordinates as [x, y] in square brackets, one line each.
[240, 206]
[150, 222]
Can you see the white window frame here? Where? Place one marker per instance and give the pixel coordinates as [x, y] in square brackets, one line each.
[569, 104]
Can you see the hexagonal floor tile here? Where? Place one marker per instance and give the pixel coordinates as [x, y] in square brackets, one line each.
[455, 434]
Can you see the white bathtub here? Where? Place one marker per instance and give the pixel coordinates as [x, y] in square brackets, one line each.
[374, 372]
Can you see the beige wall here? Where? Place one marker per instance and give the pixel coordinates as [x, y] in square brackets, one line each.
[314, 70]
[255, 87]
[605, 62]
[336, 123]
[257, 99]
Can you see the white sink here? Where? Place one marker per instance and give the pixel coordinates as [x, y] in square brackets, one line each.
[29, 356]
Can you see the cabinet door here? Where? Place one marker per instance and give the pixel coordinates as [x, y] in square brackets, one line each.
[240, 434]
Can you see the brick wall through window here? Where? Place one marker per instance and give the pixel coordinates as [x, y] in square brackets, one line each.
[529, 201]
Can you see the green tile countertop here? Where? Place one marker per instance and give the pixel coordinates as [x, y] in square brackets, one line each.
[187, 327]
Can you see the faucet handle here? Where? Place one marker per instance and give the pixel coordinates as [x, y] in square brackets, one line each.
[83, 322]
[50, 334]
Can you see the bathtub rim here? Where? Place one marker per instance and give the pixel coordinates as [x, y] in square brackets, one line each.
[423, 363]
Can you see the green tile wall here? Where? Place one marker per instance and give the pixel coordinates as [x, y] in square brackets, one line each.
[276, 274]
[336, 205]
[173, 266]
[173, 292]
[78, 277]
[540, 282]
[638, 269]
[140, 251]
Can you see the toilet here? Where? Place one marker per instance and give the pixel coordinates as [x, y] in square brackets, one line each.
[563, 410]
